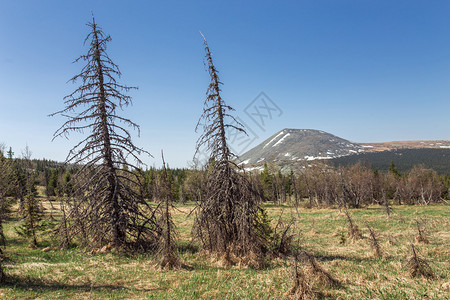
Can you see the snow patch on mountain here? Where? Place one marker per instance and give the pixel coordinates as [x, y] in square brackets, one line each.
[282, 131]
[244, 162]
[281, 140]
[307, 157]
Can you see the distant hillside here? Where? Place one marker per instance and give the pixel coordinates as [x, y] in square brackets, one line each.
[295, 148]
[404, 159]
[292, 145]
[376, 147]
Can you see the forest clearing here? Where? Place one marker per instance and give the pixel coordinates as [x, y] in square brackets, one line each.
[283, 223]
[50, 273]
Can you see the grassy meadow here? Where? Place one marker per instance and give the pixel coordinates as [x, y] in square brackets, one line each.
[48, 273]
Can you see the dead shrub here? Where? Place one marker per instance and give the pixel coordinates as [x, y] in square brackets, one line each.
[316, 271]
[421, 237]
[374, 243]
[353, 230]
[301, 287]
[282, 237]
[167, 249]
[418, 266]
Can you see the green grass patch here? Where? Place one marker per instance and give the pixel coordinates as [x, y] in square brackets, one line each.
[72, 273]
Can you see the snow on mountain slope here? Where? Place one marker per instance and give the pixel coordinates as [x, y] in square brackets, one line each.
[299, 145]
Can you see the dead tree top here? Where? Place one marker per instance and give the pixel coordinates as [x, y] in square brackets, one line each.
[214, 112]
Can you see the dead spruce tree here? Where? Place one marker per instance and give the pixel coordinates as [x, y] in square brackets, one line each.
[421, 236]
[374, 242]
[301, 286]
[230, 221]
[418, 266]
[316, 271]
[352, 229]
[305, 278]
[167, 248]
[106, 207]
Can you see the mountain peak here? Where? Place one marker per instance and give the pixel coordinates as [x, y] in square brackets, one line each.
[292, 145]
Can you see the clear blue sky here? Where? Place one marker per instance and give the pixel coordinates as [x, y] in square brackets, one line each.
[367, 71]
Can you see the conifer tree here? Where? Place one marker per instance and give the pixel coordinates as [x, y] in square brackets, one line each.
[10, 153]
[32, 213]
[230, 221]
[6, 186]
[393, 170]
[6, 179]
[107, 206]
[52, 183]
[18, 181]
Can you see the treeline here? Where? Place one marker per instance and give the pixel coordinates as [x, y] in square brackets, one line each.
[352, 186]
[355, 186]
[52, 175]
[404, 159]
[55, 177]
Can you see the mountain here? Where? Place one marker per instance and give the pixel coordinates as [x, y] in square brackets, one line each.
[293, 145]
[291, 148]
